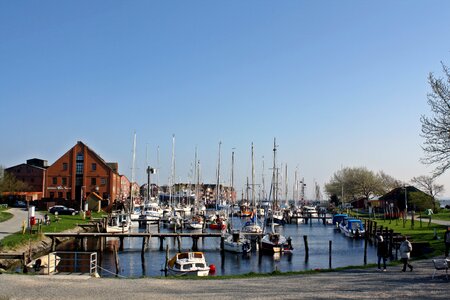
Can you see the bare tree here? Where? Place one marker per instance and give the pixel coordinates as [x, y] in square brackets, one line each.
[436, 128]
[427, 184]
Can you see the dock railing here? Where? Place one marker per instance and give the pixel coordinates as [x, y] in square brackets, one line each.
[75, 262]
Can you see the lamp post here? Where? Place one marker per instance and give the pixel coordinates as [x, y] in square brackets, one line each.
[81, 199]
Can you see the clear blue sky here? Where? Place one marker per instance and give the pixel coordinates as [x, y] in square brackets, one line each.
[338, 83]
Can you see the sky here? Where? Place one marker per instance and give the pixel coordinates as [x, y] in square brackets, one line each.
[337, 83]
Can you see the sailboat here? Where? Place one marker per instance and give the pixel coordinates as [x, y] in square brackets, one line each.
[274, 242]
[252, 225]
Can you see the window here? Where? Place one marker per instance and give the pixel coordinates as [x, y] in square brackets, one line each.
[68, 195]
[94, 167]
[80, 167]
[64, 181]
[60, 195]
[103, 181]
[55, 180]
[52, 195]
[64, 166]
[80, 156]
[93, 181]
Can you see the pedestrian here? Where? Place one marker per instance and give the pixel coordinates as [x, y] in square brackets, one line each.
[382, 252]
[405, 250]
[447, 241]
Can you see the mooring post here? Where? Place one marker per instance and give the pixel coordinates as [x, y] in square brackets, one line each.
[121, 243]
[161, 243]
[365, 252]
[222, 243]
[391, 242]
[53, 244]
[305, 239]
[329, 254]
[143, 246]
[179, 243]
[194, 243]
[116, 259]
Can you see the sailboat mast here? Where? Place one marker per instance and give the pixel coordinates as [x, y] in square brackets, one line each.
[218, 178]
[232, 175]
[172, 187]
[286, 185]
[253, 182]
[132, 172]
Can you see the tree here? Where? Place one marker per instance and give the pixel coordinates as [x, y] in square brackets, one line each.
[353, 183]
[436, 129]
[388, 182]
[9, 183]
[420, 201]
[427, 185]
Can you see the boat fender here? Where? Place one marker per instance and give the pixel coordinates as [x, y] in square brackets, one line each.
[212, 269]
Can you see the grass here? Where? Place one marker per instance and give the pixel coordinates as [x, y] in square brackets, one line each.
[4, 215]
[419, 233]
[443, 214]
[65, 223]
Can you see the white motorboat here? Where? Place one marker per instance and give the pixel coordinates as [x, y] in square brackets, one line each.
[353, 228]
[117, 223]
[188, 263]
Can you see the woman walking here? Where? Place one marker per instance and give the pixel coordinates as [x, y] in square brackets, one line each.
[405, 250]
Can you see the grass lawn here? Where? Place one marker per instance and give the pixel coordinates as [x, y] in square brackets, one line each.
[65, 223]
[4, 215]
[443, 214]
[419, 234]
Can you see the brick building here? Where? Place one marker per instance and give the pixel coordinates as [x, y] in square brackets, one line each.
[79, 172]
[33, 174]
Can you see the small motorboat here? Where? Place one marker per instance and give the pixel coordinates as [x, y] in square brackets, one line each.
[237, 243]
[188, 263]
[353, 228]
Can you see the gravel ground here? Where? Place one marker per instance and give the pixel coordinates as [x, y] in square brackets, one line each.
[347, 284]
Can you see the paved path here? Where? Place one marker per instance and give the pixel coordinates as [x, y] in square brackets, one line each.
[15, 223]
[347, 284]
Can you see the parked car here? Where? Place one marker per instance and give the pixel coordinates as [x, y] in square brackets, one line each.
[20, 203]
[62, 210]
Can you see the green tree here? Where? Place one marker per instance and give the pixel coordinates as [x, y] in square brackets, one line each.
[420, 201]
[9, 183]
[353, 183]
[436, 128]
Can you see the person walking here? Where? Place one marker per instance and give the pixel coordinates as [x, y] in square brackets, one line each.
[405, 250]
[382, 252]
[447, 241]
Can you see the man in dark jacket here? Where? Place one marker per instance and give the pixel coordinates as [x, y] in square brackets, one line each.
[382, 252]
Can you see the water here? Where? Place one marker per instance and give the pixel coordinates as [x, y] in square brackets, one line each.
[345, 252]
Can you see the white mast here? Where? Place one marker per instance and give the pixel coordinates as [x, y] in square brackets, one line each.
[132, 172]
[218, 178]
[172, 183]
[253, 187]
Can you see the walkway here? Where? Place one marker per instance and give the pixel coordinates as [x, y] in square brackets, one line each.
[15, 223]
[347, 284]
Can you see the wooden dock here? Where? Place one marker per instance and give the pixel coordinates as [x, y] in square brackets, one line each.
[144, 235]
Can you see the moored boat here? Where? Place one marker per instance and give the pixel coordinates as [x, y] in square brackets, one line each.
[237, 243]
[44, 265]
[353, 228]
[188, 263]
[275, 243]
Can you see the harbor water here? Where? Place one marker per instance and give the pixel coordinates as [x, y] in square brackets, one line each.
[345, 252]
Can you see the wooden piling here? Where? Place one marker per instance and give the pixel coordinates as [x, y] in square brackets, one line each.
[179, 243]
[329, 253]
[161, 244]
[365, 252]
[143, 246]
[195, 243]
[305, 239]
[121, 239]
[222, 243]
[116, 259]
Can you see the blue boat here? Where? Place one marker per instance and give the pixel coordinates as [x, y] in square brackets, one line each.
[338, 218]
[353, 228]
